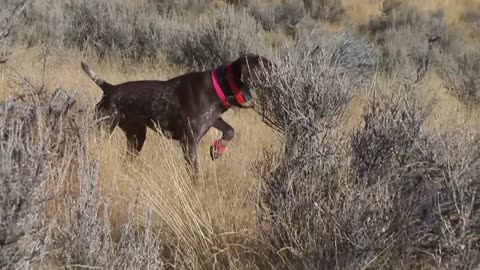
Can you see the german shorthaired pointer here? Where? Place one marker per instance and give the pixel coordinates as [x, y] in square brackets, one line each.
[184, 108]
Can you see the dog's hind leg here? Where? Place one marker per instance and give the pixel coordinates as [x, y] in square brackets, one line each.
[190, 150]
[136, 134]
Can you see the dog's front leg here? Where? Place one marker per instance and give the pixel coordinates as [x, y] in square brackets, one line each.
[220, 146]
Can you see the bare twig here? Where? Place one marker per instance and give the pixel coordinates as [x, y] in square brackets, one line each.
[44, 65]
[425, 62]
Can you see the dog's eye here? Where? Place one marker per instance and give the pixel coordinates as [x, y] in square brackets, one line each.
[247, 95]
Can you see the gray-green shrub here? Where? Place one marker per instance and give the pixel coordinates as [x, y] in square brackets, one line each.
[220, 38]
[274, 16]
[401, 33]
[324, 10]
[44, 141]
[460, 73]
[385, 194]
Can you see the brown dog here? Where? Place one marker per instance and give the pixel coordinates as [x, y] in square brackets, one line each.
[184, 108]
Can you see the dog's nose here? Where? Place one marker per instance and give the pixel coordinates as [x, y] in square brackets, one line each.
[248, 104]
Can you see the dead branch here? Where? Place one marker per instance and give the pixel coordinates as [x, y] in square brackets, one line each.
[425, 63]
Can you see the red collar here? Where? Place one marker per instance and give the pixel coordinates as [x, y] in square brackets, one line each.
[234, 89]
[219, 90]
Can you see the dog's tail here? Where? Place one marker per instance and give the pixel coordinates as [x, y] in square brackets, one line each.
[105, 86]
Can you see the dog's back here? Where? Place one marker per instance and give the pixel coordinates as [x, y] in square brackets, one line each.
[153, 103]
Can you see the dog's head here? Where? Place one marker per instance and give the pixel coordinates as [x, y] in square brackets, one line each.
[104, 113]
[102, 108]
[250, 70]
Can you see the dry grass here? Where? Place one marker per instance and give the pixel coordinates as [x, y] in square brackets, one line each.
[449, 112]
[361, 11]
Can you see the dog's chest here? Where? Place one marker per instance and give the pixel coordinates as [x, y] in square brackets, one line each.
[205, 120]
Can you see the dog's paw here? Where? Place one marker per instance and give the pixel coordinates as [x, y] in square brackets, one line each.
[217, 149]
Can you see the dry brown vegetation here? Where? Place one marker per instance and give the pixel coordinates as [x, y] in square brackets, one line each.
[347, 162]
